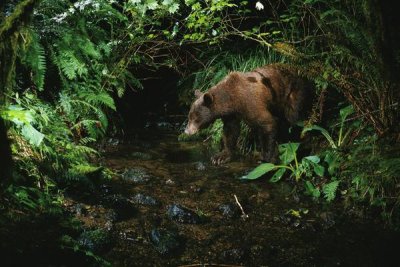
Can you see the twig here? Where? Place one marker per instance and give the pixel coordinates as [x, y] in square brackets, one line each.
[364, 114]
[244, 215]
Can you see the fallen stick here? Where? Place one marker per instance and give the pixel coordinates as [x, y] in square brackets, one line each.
[244, 215]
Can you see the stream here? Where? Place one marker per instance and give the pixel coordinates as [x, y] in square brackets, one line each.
[168, 206]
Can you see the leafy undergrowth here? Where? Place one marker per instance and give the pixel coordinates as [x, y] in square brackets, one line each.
[35, 230]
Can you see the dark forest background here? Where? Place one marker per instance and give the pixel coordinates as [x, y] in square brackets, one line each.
[73, 73]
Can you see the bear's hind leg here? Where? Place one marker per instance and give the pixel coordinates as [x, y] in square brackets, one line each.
[231, 132]
[267, 136]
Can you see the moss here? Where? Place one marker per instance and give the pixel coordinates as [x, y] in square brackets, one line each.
[10, 39]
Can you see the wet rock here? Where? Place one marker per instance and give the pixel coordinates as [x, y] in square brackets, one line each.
[105, 189]
[196, 189]
[288, 220]
[164, 241]
[79, 209]
[97, 240]
[141, 155]
[144, 200]
[113, 142]
[165, 125]
[169, 182]
[137, 176]
[111, 216]
[235, 255]
[131, 236]
[123, 208]
[229, 210]
[181, 214]
[200, 166]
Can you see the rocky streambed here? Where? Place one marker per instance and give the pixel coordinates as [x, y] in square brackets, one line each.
[167, 206]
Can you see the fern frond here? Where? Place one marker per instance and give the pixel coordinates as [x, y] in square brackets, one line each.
[86, 140]
[34, 57]
[99, 99]
[329, 190]
[70, 65]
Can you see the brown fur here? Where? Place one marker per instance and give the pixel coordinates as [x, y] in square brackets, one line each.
[258, 98]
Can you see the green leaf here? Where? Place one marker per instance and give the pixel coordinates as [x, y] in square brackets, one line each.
[33, 136]
[288, 152]
[345, 112]
[259, 171]
[333, 162]
[323, 132]
[311, 189]
[319, 169]
[278, 175]
[17, 115]
[152, 4]
[173, 8]
[329, 190]
[313, 159]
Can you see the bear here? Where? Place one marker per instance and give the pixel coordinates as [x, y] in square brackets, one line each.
[261, 98]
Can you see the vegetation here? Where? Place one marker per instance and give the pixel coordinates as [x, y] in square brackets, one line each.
[65, 63]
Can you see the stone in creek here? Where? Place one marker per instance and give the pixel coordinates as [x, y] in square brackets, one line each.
[141, 155]
[95, 240]
[144, 200]
[113, 142]
[165, 125]
[164, 241]
[122, 206]
[111, 216]
[137, 176]
[80, 210]
[229, 210]
[181, 214]
[196, 189]
[131, 236]
[233, 255]
[169, 182]
[105, 189]
[200, 166]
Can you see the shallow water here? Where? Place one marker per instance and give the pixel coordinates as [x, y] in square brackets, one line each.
[281, 229]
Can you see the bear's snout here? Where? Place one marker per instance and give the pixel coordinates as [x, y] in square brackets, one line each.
[191, 129]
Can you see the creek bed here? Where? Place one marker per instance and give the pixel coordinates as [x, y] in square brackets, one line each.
[184, 213]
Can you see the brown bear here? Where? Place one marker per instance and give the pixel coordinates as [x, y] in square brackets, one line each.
[260, 98]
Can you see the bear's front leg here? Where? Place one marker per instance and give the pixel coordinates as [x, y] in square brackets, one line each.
[231, 133]
[267, 136]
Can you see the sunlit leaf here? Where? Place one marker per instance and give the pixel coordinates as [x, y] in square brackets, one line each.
[33, 136]
[314, 159]
[311, 189]
[323, 132]
[345, 112]
[278, 175]
[259, 171]
[319, 169]
[288, 152]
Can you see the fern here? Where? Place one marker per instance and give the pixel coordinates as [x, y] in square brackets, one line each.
[329, 190]
[98, 99]
[70, 65]
[34, 57]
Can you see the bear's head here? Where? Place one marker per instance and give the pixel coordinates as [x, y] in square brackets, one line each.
[200, 114]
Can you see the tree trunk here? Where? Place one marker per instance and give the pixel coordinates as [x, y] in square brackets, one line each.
[8, 27]
[5, 157]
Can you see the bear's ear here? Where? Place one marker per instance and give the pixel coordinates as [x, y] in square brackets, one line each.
[207, 99]
[197, 93]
